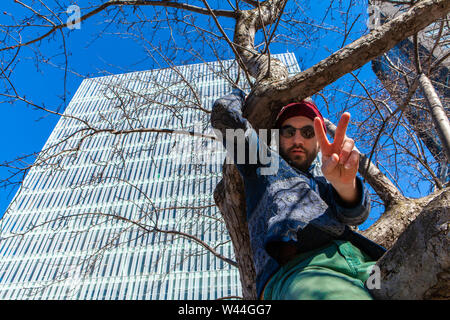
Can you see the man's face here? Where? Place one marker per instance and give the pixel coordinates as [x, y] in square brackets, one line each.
[299, 151]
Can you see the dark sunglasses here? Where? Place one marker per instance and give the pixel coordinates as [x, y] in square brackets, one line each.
[307, 132]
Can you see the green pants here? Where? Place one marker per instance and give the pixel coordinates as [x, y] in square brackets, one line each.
[334, 272]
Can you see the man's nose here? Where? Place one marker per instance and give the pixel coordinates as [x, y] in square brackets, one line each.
[298, 138]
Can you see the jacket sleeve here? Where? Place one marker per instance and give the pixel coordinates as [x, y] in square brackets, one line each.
[238, 137]
[354, 215]
[226, 112]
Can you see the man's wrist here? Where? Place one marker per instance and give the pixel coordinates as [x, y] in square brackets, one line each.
[348, 193]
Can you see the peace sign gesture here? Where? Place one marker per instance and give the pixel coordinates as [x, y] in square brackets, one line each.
[339, 161]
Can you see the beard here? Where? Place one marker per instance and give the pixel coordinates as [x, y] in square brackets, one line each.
[301, 161]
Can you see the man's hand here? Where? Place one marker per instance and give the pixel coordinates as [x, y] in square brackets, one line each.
[339, 161]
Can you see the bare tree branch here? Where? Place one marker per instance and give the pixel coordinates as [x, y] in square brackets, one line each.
[168, 3]
[348, 59]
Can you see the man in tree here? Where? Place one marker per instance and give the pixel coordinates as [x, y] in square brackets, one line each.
[298, 215]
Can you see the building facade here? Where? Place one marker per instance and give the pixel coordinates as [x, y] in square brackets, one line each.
[119, 203]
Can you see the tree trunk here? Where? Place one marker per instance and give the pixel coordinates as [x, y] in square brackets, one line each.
[229, 197]
[438, 113]
[417, 265]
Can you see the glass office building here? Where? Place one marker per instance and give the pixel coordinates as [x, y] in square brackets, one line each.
[119, 203]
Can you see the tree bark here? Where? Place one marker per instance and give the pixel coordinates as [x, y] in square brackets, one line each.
[438, 113]
[260, 66]
[417, 266]
[229, 197]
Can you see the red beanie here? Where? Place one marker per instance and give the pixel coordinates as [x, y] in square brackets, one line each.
[303, 108]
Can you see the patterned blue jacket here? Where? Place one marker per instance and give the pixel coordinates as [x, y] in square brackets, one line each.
[285, 204]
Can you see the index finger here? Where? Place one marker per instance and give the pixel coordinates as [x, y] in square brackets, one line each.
[341, 129]
[321, 136]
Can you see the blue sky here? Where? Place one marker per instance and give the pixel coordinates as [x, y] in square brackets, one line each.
[25, 130]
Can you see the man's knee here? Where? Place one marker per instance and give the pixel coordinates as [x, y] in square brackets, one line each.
[324, 285]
